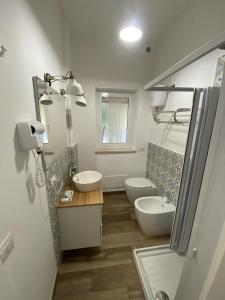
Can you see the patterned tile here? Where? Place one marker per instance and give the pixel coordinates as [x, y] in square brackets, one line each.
[73, 155]
[164, 168]
[60, 169]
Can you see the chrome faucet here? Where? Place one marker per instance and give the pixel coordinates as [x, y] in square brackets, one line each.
[167, 200]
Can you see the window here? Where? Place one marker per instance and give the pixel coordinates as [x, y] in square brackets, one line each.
[114, 120]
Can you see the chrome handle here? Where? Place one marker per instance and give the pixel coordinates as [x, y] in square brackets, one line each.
[76, 178]
[161, 295]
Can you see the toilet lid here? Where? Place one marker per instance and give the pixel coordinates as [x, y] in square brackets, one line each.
[139, 182]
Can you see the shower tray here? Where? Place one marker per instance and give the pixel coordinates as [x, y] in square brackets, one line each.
[159, 268]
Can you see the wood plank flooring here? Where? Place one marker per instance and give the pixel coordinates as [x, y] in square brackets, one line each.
[108, 272]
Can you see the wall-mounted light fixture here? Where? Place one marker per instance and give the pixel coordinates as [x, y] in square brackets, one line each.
[46, 98]
[73, 88]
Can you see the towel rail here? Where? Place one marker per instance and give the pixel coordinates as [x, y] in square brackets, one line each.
[174, 117]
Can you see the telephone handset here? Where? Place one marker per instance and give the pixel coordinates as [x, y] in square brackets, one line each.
[30, 136]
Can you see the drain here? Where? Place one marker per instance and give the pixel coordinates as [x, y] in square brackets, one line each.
[161, 295]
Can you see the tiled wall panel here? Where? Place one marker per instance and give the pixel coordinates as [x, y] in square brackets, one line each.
[164, 168]
[59, 168]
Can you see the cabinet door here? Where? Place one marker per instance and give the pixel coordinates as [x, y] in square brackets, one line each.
[80, 227]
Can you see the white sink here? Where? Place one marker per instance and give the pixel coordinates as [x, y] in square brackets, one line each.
[87, 181]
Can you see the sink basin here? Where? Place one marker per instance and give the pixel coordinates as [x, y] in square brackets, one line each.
[87, 181]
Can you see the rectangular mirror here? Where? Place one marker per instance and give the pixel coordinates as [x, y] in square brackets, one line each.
[51, 111]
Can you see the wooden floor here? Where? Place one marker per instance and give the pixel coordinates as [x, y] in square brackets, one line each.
[108, 272]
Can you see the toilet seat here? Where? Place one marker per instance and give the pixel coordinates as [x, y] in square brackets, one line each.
[139, 183]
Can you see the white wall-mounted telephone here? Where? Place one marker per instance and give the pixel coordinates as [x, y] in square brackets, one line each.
[30, 137]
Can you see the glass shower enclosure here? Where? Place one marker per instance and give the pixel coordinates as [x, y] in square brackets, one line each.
[155, 263]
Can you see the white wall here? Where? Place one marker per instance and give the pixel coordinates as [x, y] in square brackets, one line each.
[112, 65]
[199, 74]
[213, 287]
[132, 164]
[33, 35]
[202, 21]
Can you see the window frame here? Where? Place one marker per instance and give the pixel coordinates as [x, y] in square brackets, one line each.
[113, 147]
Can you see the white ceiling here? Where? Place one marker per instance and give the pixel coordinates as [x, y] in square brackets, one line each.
[102, 19]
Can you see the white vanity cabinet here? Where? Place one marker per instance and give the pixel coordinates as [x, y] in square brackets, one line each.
[80, 222]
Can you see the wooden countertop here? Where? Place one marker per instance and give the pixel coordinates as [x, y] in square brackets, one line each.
[81, 199]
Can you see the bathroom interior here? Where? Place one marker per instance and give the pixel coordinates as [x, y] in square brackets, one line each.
[112, 150]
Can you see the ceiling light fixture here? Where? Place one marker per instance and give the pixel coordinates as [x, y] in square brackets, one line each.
[130, 34]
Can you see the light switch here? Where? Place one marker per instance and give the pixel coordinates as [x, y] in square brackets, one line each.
[6, 247]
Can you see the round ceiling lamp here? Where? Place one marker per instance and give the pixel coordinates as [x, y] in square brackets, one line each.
[130, 34]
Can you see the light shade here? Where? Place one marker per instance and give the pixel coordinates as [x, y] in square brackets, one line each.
[81, 100]
[46, 99]
[130, 34]
[73, 88]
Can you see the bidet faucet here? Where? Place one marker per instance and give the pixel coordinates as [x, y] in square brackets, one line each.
[77, 178]
[167, 200]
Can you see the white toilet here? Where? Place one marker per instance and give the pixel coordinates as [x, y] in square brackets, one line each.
[140, 187]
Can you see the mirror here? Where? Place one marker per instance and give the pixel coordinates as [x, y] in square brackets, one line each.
[52, 113]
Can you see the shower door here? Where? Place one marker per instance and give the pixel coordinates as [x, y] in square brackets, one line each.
[202, 120]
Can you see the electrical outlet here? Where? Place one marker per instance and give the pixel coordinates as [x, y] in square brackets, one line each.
[6, 247]
[141, 148]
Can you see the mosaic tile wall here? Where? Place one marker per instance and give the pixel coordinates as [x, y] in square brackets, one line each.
[59, 168]
[73, 155]
[164, 168]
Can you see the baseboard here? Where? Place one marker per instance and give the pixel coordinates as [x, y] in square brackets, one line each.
[52, 295]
